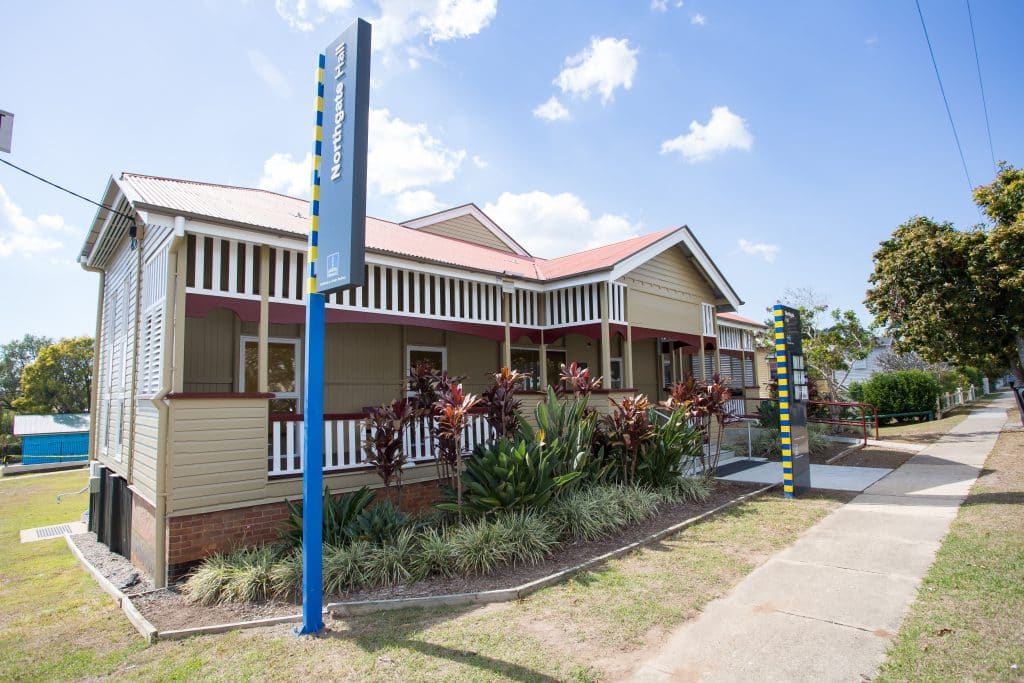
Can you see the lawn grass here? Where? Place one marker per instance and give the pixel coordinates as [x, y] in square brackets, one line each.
[924, 432]
[968, 620]
[56, 624]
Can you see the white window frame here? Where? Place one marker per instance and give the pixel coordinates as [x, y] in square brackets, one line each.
[430, 349]
[287, 395]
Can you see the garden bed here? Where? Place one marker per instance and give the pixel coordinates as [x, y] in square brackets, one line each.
[170, 609]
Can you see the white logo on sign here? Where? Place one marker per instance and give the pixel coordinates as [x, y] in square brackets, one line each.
[333, 263]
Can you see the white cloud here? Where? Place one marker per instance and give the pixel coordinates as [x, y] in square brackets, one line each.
[659, 5]
[403, 20]
[552, 110]
[722, 132]
[554, 225]
[461, 18]
[414, 63]
[416, 203]
[762, 249]
[480, 162]
[269, 73]
[699, 20]
[300, 16]
[405, 155]
[282, 173]
[23, 236]
[608, 63]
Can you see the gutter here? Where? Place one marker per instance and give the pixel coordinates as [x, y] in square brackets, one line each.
[162, 407]
[94, 399]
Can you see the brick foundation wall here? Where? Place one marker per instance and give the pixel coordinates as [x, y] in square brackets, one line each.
[190, 538]
[143, 535]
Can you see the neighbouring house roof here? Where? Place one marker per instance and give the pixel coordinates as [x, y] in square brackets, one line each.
[275, 212]
[737, 318]
[70, 423]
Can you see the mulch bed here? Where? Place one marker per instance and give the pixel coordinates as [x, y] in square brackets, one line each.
[170, 610]
[875, 456]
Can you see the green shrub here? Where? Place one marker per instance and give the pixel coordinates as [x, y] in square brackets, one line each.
[817, 438]
[768, 414]
[339, 515]
[856, 391]
[638, 504]
[663, 458]
[904, 391]
[380, 524]
[768, 441]
[570, 429]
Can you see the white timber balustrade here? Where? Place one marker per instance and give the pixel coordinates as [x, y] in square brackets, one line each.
[220, 266]
[344, 438]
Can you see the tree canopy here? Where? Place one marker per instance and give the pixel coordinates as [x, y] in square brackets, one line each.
[14, 356]
[954, 295]
[58, 380]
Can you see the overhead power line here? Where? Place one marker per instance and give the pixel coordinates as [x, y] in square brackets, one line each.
[70, 192]
[981, 84]
[970, 185]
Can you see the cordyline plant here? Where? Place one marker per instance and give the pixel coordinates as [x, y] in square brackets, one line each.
[577, 379]
[451, 414]
[385, 429]
[500, 404]
[629, 428]
[706, 405]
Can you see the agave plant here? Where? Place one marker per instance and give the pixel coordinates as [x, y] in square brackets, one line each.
[503, 475]
[500, 404]
[385, 429]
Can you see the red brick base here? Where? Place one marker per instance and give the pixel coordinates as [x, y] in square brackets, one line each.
[191, 538]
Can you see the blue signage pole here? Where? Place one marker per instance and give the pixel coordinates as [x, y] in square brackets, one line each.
[336, 262]
[313, 405]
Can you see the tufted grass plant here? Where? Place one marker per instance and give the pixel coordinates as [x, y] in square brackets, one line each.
[481, 547]
[588, 514]
[638, 504]
[389, 564]
[286, 576]
[241, 576]
[434, 554]
[687, 490]
[531, 538]
[344, 567]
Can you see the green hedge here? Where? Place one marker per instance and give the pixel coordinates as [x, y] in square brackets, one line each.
[905, 391]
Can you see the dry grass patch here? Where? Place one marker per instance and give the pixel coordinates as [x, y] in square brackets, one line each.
[968, 620]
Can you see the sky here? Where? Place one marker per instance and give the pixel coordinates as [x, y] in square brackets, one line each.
[790, 137]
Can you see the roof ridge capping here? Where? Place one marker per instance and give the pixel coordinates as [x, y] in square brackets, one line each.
[189, 181]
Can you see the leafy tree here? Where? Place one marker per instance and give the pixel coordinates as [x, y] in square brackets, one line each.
[832, 340]
[14, 356]
[58, 380]
[957, 295]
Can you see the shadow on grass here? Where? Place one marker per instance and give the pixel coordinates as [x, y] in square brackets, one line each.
[401, 628]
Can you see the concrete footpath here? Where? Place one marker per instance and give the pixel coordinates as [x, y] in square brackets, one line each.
[827, 607]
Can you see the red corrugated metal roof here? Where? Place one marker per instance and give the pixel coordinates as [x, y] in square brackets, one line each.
[735, 317]
[275, 211]
[600, 258]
